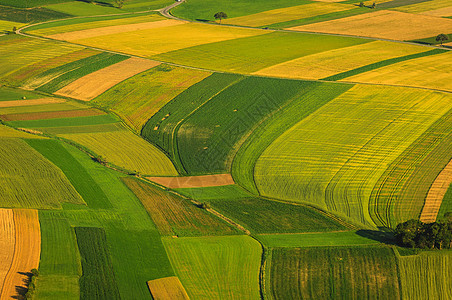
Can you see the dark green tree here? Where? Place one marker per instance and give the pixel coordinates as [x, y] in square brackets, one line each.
[220, 15]
[442, 38]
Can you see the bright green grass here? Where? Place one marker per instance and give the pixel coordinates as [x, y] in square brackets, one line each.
[334, 158]
[28, 180]
[400, 192]
[446, 205]
[266, 216]
[7, 26]
[137, 252]
[214, 192]
[103, 60]
[29, 3]
[74, 171]
[63, 122]
[250, 54]
[205, 9]
[82, 23]
[84, 128]
[18, 52]
[383, 63]
[8, 94]
[98, 277]
[217, 267]
[223, 123]
[142, 5]
[333, 273]
[33, 15]
[79, 8]
[138, 98]
[168, 119]
[426, 276]
[341, 238]
[311, 97]
[60, 266]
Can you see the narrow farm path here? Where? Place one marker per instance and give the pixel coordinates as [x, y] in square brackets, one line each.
[436, 194]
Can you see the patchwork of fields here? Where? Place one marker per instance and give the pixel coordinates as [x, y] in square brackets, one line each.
[270, 154]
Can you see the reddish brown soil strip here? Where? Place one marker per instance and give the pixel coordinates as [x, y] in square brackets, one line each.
[436, 194]
[7, 241]
[194, 181]
[50, 63]
[168, 288]
[92, 85]
[27, 251]
[16, 103]
[52, 115]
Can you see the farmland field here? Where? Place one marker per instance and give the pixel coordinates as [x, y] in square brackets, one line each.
[137, 99]
[174, 215]
[426, 275]
[360, 150]
[7, 241]
[216, 267]
[325, 273]
[446, 205]
[167, 288]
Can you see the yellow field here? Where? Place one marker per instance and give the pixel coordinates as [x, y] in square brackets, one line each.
[425, 6]
[96, 24]
[159, 40]
[328, 63]
[432, 71]
[168, 288]
[94, 84]
[16, 103]
[8, 25]
[288, 14]
[126, 150]
[440, 12]
[7, 132]
[7, 241]
[27, 251]
[96, 32]
[384, 24]
[436, 194]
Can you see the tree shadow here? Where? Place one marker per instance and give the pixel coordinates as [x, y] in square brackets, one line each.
[383, 236]
[203, 20]
[21, 290]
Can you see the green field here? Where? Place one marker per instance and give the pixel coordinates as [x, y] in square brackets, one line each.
[175, 216]
[339, 164]
[60, 266]
[98, 276]
[34, 184]
[66, 122]
[79, 8]
[426, 276]
[29, 3]
[215, 192]
[137, 99]
[265, 216]
[333, 273]
[8, 94]
[33, 15]
[316, 239]
[216, 267]
[246, 55]
[446, 205]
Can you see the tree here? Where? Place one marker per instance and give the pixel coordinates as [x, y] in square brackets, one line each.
[220, 15]
[120, 3]
[374, 5]
[361, 4]
[441, 38]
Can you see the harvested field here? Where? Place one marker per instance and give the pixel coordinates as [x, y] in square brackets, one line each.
[27, 252]
[384, 24]
[52, 115]
[425, 6]
[440, 12]
[328, 63]
[92, 85]
[368, 128]
[7, 242]
[168, 288]
[428, 72]
[126, 150]
[35, 184]
[333, 273]
[174, 215]
[137, 99]
[16, 103]
[288, 14]
[84, 128]
[436, 195]
[110, 30]
[42, 108]
[159, 40]
[194, 181]
[25, 74]
[216, 267]
[8, 132]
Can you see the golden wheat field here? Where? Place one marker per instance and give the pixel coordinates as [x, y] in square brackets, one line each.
[7, 241]
[168, 288]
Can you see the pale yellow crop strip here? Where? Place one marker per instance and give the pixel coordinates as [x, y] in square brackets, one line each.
[424, 6]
